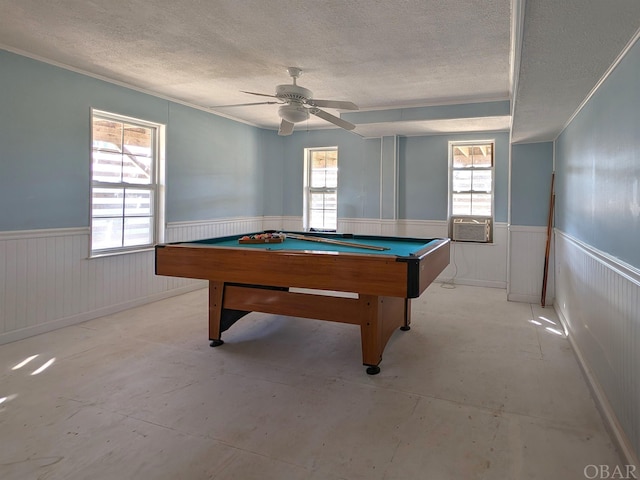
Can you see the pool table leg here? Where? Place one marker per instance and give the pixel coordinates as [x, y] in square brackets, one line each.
[216, 293]
[407, 315]
[383, 316]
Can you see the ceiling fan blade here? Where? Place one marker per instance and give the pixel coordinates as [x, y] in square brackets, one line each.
[261, 94]
[332, 104]
[245, 104]
[286, 128]
[332, 118]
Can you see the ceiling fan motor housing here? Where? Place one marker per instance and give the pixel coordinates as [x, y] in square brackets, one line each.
[294, 93]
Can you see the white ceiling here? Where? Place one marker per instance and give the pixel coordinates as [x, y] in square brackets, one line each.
[545, 54]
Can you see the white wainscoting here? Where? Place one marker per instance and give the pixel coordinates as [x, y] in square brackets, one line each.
[598, 301]
[526, 265]
[185, 231]
[47, 280]
[289, 224]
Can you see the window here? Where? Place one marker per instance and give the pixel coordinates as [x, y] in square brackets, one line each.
[321, 189]
[126, 180]
[471, 188]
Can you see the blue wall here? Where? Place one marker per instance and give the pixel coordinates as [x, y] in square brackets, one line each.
[531, 169]
[271, 158]
[45, 133]
[358, 166]
[214, 165]
[598, 166]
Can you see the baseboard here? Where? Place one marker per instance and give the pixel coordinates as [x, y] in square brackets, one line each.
[522, 298]
[473, 283]
[23, 333]
[610, 420]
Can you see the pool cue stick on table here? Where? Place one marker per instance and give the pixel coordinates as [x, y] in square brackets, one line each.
[335, 242]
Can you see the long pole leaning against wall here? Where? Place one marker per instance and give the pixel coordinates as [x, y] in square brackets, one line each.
[545, 273]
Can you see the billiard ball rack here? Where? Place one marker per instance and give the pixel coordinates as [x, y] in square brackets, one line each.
[262, 238]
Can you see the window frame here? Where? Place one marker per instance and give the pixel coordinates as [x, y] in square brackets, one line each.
[156, 185]
[452, 169]
[309, 190]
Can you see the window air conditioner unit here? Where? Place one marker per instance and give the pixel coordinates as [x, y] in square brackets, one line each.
[471, 229]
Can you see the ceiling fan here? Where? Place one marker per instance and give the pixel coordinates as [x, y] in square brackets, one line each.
[297, 103]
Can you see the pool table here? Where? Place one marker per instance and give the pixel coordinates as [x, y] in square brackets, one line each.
[306, 278]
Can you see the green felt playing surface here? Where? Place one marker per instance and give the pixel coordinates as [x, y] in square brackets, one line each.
[399, 246]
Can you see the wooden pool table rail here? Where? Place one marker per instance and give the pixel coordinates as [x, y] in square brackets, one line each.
[364, 273]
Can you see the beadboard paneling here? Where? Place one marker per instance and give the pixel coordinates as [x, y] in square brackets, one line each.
[47, 280]
[185, 231]
[598, 300]
[290, 224]
[526, 264]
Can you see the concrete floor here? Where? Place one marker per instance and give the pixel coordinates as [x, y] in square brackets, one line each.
[475, 390]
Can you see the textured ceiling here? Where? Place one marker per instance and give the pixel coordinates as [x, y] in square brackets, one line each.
[379, 55]
[567, 46]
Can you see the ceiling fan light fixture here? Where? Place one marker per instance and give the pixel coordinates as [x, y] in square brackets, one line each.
[293, 113]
